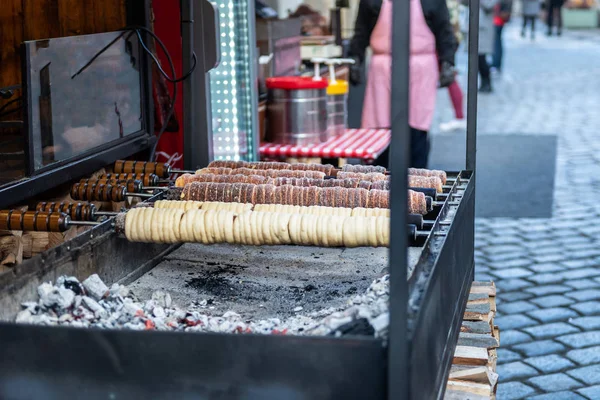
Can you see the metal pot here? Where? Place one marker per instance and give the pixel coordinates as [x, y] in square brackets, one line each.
[297, 110]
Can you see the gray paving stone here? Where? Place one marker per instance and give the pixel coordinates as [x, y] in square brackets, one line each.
[585, 295]
[515, 370]
[546, 278]
[532, 349]
[549, 258]
[581, 273]
[549, 363]
[582, 283]
[502, 249]
[544, 250]
[514, 390]
[514, 321]
[552, 301]
[584, 253]
[514, 296]
[504, 240]
[588, 245]
[589, 355]
[564, 395]
[515, 263]
[589, 375]
[588, 307]
[570, 240]
[592, 392]
[483, 277]
[550, 330]
[549, 267]
[514, 337]
[553, 314]
[579, 340]
[548, 289]
[501, 258]
[516, 307]
[554, 382]
[509, 285]
[586, 323]
[506, 356]
[584, 262]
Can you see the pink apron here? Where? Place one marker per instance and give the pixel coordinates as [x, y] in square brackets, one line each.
[424, 73]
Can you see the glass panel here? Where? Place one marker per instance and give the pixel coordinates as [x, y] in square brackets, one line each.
[74, 108]
[231, 85]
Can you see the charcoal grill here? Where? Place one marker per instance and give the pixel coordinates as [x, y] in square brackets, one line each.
[426, 308]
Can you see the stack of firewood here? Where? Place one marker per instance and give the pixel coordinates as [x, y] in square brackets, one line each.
[473, 373]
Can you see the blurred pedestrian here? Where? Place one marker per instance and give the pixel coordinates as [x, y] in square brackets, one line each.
[502, 14]
[531, 10]
[486, 41]
[555, 11]
[454, 89]
[432, 49]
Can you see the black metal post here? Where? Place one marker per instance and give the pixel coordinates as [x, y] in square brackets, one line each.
[197, 126]
[398, 350]
[473, 69]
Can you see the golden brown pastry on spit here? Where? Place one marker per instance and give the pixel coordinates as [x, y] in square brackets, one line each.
[182, 205]
[297, 196]
[238, 178]
[307, 182]
[417, 203]
[228, 164]
[364, 169]
[163, 225]
[215, 171]
[371, 176]
[431, 182]
[327, 169]
[281, 173]
[428, 172]
[380, 185]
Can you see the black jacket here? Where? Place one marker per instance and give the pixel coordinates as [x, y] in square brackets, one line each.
[436, 16]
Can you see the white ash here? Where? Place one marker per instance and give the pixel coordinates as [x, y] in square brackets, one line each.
[94, 287]
[92, 304]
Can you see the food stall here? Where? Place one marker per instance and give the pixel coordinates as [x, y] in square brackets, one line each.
[241, 279]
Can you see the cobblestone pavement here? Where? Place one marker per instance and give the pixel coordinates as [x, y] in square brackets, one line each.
[547, 270]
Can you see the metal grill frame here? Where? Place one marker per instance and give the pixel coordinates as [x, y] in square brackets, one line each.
[40, 361]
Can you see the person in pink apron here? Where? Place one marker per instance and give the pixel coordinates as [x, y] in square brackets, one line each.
[431, 38]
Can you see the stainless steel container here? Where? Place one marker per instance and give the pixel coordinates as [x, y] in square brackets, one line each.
[337, 114]
[297, 111]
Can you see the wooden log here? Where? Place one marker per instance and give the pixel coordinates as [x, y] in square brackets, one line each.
[462, 395]
[478, 298]
[478, 340]
[497, 334]
[476, 327]
[479, 389]
[484, 287]
[468, 355]
[475, 374]
[35, 243]
[493, 359]
[479, 312]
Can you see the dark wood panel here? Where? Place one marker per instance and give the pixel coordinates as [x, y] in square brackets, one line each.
[39, 19]
[11, 36]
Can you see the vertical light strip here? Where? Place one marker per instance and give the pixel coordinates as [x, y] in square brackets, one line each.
[231, 87]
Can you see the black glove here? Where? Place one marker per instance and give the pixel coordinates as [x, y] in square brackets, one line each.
[447, 74]
[356, 72]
